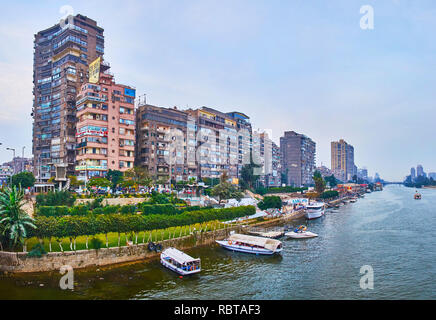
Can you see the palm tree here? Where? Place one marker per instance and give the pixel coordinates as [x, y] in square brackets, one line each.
[14, 221]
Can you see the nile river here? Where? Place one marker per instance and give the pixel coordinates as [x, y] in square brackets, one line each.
[388, 230]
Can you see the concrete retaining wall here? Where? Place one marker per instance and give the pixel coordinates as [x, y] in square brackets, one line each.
[113, 201]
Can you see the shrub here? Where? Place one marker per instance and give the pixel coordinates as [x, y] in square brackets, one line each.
[75, 226]
[57, 211]
[111, 209]
[329, 194]
[166, 209]
[287, 189]
[128, 209]
[270, 202]
[159, 198]
[37, 251]
[96, 243]
[56, 198]
[81, 210]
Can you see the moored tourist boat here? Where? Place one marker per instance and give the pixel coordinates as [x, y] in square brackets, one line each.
[353, 200]
[315, 210]
[301, 233]
[251, 244]
[180, 262]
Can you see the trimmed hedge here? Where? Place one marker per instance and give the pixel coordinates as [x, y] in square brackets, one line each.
[74, 226]
[53, 211]
[287, 189]
[329, 194]
[144, 208]
[168, 209]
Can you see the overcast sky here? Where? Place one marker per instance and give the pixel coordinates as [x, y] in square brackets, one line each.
[295, 65]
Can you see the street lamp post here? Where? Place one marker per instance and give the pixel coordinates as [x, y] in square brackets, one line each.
[13, 150]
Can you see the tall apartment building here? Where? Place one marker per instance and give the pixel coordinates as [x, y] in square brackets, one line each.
[105, 124]
[298, 158]
[342, 158]
[223, 142]
[270, 161]
[166, 142]
[61, 58]
[199, 143]
[265, 155]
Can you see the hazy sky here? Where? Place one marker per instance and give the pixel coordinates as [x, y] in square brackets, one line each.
[295, 65]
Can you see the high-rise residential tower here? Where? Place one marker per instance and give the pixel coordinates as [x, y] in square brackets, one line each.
[342, 158]
[412, 174]
[105, 124]
[298, 158]
[166, 143]
[61, 58]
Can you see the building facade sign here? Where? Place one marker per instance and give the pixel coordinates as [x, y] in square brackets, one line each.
[94, 71]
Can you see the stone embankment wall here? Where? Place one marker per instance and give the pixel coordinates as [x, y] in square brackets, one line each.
[19, 262]
[114, 201]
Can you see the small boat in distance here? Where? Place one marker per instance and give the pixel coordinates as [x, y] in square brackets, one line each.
[180, 262]
[417, 196]
[315, 210]
[301, 233]
[251, 244]
[353, 200]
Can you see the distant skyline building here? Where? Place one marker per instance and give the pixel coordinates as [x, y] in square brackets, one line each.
[362, 173]
[298, 158]
[419, 170]
[432, 175]
[61, 57]
[412, 174]
[342, 160]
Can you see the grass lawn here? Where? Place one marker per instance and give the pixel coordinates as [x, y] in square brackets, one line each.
[155, 236]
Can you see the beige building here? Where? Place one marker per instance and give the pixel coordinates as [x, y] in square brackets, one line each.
[342, 160]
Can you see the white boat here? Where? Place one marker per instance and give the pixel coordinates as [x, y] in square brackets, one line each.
[301, 233]
[251, 244]
[180, 262]
[353, 200]
[315, 210]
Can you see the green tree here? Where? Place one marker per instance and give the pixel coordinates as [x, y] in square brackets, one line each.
[115, 177]
[139, 176]
[45, 228]
[23, 179]
[14, 221]
[270, 202]
[74, 182]
[332, 181]
[226, 190]
[319, 182]
[248, 177]
[99, 182]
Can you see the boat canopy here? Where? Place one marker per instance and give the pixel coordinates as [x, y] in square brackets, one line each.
[266, 243]
[315, 205]
[179, 256]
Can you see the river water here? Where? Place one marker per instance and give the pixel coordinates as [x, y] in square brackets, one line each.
[388, 230]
